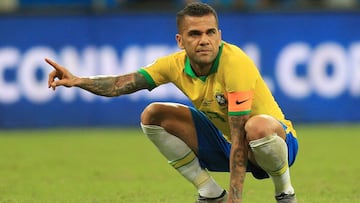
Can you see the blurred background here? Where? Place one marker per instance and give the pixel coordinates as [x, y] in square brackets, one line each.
[307, 50]
[63, 6]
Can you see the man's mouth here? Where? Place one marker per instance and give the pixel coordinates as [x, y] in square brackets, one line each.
[203, 51]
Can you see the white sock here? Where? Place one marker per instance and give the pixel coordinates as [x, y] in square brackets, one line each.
[271, 154]
[183, 159]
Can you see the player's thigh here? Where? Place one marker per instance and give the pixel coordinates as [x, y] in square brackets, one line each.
[174, 118]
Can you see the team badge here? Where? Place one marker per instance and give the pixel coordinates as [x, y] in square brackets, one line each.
[221, 100]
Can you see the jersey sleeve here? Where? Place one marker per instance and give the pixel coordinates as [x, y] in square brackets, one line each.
[157, 73]
[240, 85]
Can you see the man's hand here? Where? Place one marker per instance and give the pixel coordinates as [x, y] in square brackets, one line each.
[60, 76]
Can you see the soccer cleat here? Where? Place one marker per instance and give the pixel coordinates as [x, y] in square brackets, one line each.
[221, 199]
[286, 198]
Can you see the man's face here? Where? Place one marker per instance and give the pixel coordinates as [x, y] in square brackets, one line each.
[200, 38]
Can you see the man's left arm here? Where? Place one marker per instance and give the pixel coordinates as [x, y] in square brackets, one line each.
[238, 157]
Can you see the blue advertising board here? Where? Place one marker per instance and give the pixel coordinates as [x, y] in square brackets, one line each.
[311, 62]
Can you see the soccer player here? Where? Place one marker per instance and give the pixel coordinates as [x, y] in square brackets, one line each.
[235, 125]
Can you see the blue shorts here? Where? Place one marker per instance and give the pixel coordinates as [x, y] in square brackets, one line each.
[214, 149]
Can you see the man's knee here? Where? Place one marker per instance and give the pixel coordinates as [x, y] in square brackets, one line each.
[260, 126]
[151, 114]
[159, 112]
[174, 118]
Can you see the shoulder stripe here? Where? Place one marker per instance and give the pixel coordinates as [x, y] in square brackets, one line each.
[148, 78]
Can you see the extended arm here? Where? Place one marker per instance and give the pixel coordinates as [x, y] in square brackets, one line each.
[238, 157]
[109, 86]
[112, 86]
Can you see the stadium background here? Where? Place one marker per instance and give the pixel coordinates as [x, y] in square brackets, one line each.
[70, 146]
[308, 52]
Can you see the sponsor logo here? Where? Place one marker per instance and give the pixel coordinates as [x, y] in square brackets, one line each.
[240, 102]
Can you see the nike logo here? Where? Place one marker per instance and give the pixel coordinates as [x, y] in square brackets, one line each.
[240, 102]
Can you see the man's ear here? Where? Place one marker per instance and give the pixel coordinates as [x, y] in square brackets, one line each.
[220, 36]
[178, 38]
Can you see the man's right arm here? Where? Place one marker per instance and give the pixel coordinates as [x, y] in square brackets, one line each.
[112, 86]
[109, 86]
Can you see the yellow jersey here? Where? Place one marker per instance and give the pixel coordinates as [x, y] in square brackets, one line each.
[234, 86]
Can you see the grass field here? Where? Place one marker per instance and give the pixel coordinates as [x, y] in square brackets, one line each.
[121, 165]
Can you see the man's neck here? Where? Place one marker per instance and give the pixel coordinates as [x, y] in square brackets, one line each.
[201, 70]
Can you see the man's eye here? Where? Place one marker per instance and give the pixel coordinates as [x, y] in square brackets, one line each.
[193, 34]
[211, 32]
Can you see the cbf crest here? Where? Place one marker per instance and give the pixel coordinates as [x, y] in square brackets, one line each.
[220, 98]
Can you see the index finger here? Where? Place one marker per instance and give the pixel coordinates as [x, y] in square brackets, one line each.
[53, 64]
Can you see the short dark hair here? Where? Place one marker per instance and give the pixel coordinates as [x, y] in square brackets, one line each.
[196, 9]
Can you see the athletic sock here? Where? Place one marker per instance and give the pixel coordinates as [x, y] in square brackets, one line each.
[183, 159]
[270, 153]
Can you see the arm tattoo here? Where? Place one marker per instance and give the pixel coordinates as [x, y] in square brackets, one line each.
[237, 126]
[111, 86]
[238, 156]
[237, 195]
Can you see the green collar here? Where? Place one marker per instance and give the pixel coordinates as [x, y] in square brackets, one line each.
[188, 70]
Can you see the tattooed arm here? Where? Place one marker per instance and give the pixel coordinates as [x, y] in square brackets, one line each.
[238, 157]
[109, 86]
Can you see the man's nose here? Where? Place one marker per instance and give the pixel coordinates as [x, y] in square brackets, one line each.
[204, 40]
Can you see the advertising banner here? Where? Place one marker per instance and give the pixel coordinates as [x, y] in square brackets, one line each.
[311, 62]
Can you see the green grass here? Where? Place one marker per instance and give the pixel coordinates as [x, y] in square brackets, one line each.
[121, 165]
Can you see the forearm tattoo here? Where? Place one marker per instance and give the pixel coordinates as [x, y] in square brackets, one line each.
[237, 125]
[238, 156]
[236, 194]
[111, 86]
